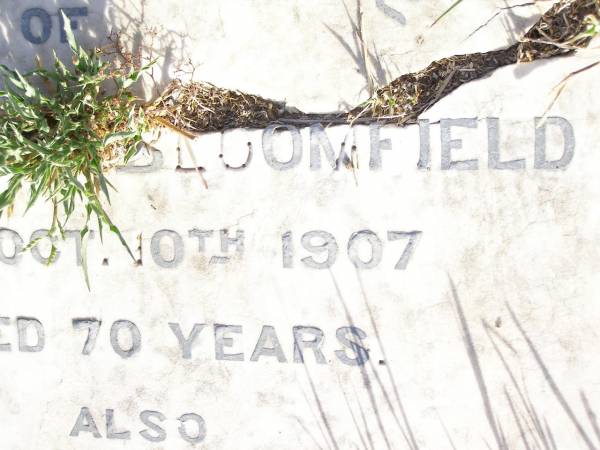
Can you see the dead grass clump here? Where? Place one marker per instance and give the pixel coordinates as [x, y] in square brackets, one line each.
[563, 29]
[203, 107]
[405, 98]
[566, 27]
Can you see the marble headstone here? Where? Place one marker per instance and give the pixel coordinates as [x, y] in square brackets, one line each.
[426, 287]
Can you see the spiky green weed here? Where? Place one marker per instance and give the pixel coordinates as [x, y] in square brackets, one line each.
[58, 130]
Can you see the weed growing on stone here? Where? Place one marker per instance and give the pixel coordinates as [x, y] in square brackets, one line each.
[57, 140]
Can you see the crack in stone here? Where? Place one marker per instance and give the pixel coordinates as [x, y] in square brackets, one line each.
[560, 31]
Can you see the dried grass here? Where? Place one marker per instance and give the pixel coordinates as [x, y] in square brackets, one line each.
[561, 30]
[407, 97]
[202, 107]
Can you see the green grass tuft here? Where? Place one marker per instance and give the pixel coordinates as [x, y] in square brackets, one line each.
[59, 131]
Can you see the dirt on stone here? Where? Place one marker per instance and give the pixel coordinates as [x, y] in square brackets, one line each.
[202, 107]
[407, 97]
[561, 30]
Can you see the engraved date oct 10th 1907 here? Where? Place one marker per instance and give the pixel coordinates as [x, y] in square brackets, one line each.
[319, 249]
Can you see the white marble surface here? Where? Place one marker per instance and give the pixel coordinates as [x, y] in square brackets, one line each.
[520, 239]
